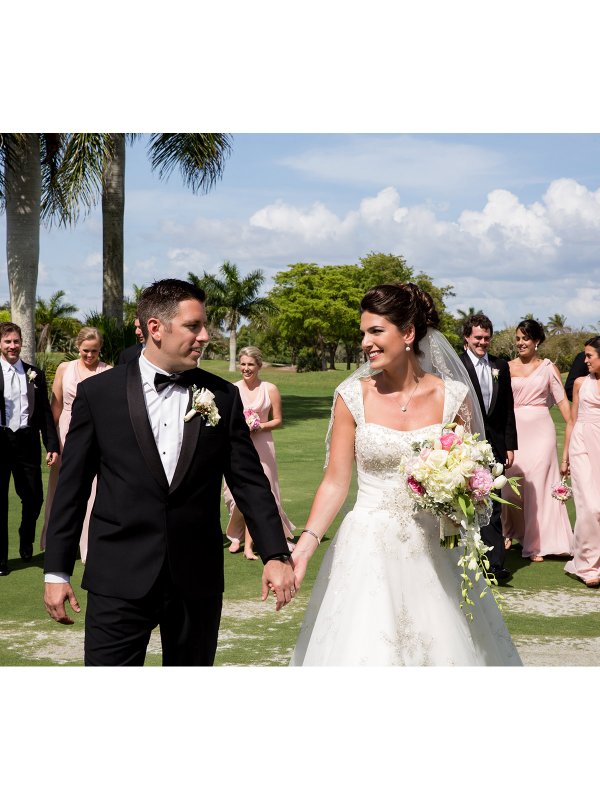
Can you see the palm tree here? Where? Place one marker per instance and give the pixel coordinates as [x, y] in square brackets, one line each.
[201, 161]
[54, 316]
[130, 305]
[557, 324]
[34, 189]
[232, 297]
[462, 317]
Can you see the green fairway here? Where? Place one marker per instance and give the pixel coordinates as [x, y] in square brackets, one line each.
[548, 613]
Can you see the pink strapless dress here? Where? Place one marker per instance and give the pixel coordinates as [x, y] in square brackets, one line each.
[265, 447]
[543, 525]
[70, 381]
[584, 458]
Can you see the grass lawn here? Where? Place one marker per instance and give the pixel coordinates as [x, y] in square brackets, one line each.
[541, 604]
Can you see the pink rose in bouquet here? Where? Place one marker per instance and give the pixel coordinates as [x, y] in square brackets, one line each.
[562, 492]
[252, 419]
[415, 485]
[448, 439]
[481, 482]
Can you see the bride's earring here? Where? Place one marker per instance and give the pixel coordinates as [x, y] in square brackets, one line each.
[407, 348]
[536, 347]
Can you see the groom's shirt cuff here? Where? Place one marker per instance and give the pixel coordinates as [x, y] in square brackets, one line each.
[57, 577]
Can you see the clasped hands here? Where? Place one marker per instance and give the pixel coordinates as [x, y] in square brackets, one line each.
[283, 579]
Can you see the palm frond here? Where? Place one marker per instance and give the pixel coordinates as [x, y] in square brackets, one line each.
[78, 180]
[199, 156]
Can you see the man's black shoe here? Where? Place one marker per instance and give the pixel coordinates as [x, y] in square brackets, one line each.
[501, 574]
[26, 552]
[4, 570]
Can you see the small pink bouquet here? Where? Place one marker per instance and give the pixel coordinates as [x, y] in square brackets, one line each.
[562, 492]
[252, 419]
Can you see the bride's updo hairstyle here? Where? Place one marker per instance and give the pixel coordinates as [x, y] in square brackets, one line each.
[403, 304]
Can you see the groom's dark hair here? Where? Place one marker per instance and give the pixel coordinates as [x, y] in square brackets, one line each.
[161, 299]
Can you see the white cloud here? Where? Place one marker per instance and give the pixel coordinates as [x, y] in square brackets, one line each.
[585, 304]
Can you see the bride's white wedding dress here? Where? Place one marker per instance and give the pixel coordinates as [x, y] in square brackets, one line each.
[387, 593]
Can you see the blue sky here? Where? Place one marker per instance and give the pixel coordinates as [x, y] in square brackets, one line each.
[511, 220]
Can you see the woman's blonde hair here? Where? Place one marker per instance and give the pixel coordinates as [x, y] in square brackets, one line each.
[252, 352]
[88, 333]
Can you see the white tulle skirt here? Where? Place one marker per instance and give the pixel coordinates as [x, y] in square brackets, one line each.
[387, 594]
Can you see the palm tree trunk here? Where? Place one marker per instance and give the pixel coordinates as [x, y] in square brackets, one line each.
[23, 187]
[232, 348]
[113, 212]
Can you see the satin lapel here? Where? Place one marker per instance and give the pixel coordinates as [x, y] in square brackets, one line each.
[30, 394]
[141, 424]
[494, 386]
[474, 379]
[189, 443]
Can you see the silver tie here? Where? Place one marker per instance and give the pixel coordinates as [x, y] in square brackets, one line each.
[15, 396]
[484, 374]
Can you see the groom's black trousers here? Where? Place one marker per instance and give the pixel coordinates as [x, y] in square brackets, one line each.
[117, 631]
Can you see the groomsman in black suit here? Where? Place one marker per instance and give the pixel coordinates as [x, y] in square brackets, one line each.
[134, 350]
[155, 555]
[24, 415]
[491, 380]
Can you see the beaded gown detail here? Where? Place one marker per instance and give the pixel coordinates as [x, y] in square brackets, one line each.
[387, 593]
[584, 459]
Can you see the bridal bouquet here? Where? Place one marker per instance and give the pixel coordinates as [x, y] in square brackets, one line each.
[252, 419]
[455, 477]
[561, 491]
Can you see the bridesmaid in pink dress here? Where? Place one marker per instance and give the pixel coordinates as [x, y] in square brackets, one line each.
[542, 526]
[582, 459]
[64, 389]
[264, 399]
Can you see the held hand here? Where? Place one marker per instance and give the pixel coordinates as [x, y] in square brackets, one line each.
[564, 469]
[51, 459]
[55, 595]
[278, 576]
[300, 565]
[510, 457]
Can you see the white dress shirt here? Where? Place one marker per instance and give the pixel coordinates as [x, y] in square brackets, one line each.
[166, 410]
[484, 374]
[7, 369]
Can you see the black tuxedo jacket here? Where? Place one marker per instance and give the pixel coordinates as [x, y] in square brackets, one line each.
[500, 425]
[40, 415]
[139, 521]
[131, 352]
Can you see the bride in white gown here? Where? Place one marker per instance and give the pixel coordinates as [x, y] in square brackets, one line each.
[387, 593]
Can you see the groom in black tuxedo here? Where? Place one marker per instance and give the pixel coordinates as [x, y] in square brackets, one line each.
[155, 543]
[491, 379]
[24, 415]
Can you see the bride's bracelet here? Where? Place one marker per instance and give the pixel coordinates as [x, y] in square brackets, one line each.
[312, 533]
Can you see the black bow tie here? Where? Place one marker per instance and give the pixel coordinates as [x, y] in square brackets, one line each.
[162, 381]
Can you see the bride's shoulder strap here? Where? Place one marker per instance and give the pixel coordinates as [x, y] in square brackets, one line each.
[350, 391]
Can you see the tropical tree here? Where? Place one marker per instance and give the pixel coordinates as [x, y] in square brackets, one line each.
[52, 317]
[557, 323]
[231, 298]
[130, 304]
[34, 189]
[201, 161]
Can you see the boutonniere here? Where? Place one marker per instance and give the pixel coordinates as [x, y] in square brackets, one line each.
[31, 375]
[495, 373]
[203, 403]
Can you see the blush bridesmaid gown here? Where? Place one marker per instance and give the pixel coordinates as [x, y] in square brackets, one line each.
[584, 458]
[265, 447]
[69, 387]
[543, 525]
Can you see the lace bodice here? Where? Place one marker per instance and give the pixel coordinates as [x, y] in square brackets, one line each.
[379, 450]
